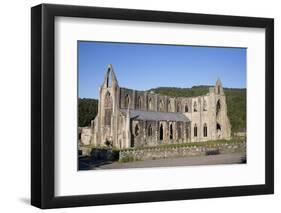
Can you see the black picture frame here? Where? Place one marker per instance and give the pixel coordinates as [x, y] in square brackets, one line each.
[43, 105]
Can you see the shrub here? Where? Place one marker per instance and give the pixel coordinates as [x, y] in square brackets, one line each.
[212, 152]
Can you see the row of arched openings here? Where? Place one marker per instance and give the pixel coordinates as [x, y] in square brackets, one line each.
[161, 131]
[195, 130]
[171, 132]
[205, 130]
[137, 129]
[161, 105]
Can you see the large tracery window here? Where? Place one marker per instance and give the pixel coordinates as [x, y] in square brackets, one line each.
[107, 117]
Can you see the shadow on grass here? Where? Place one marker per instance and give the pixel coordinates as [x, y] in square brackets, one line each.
[86, 163]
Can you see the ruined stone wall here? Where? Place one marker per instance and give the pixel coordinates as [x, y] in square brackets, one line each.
[149, 101]
[151, 133]
[85, 135]
[111, 125]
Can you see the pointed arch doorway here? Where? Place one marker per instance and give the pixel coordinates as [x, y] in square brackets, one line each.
[161, 132]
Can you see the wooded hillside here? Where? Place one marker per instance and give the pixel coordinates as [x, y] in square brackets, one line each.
[235, 98]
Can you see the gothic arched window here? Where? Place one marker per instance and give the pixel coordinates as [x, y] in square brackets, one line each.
[195, 130]
[218, 126]
[149, 130]
[195, 107]
[127, 101]
[161, 106]
[169, 106]
[171, 131]
[204, 105]
[149, 104]
[205, 130]
[137, 129]
[178, 107]
[186, 108]
[161, 132]
[139, 103]
[179, 132]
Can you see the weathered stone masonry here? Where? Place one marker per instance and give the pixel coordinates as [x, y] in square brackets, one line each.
[129, 118]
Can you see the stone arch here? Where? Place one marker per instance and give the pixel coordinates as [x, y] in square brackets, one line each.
[110, 78]
[205, 130]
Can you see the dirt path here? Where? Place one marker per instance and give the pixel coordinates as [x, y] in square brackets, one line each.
[232, 158]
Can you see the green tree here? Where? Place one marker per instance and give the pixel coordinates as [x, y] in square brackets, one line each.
[87, 111]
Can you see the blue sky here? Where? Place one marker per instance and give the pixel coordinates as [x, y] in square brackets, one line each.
[146, 66]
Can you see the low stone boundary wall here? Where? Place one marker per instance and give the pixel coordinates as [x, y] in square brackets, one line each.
[170, 152]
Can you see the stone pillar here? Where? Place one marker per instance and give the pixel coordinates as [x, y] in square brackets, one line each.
[127, 130]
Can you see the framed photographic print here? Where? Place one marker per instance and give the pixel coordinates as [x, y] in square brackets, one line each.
[139, 106]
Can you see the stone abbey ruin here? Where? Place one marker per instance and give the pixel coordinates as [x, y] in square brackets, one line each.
[129, 118]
